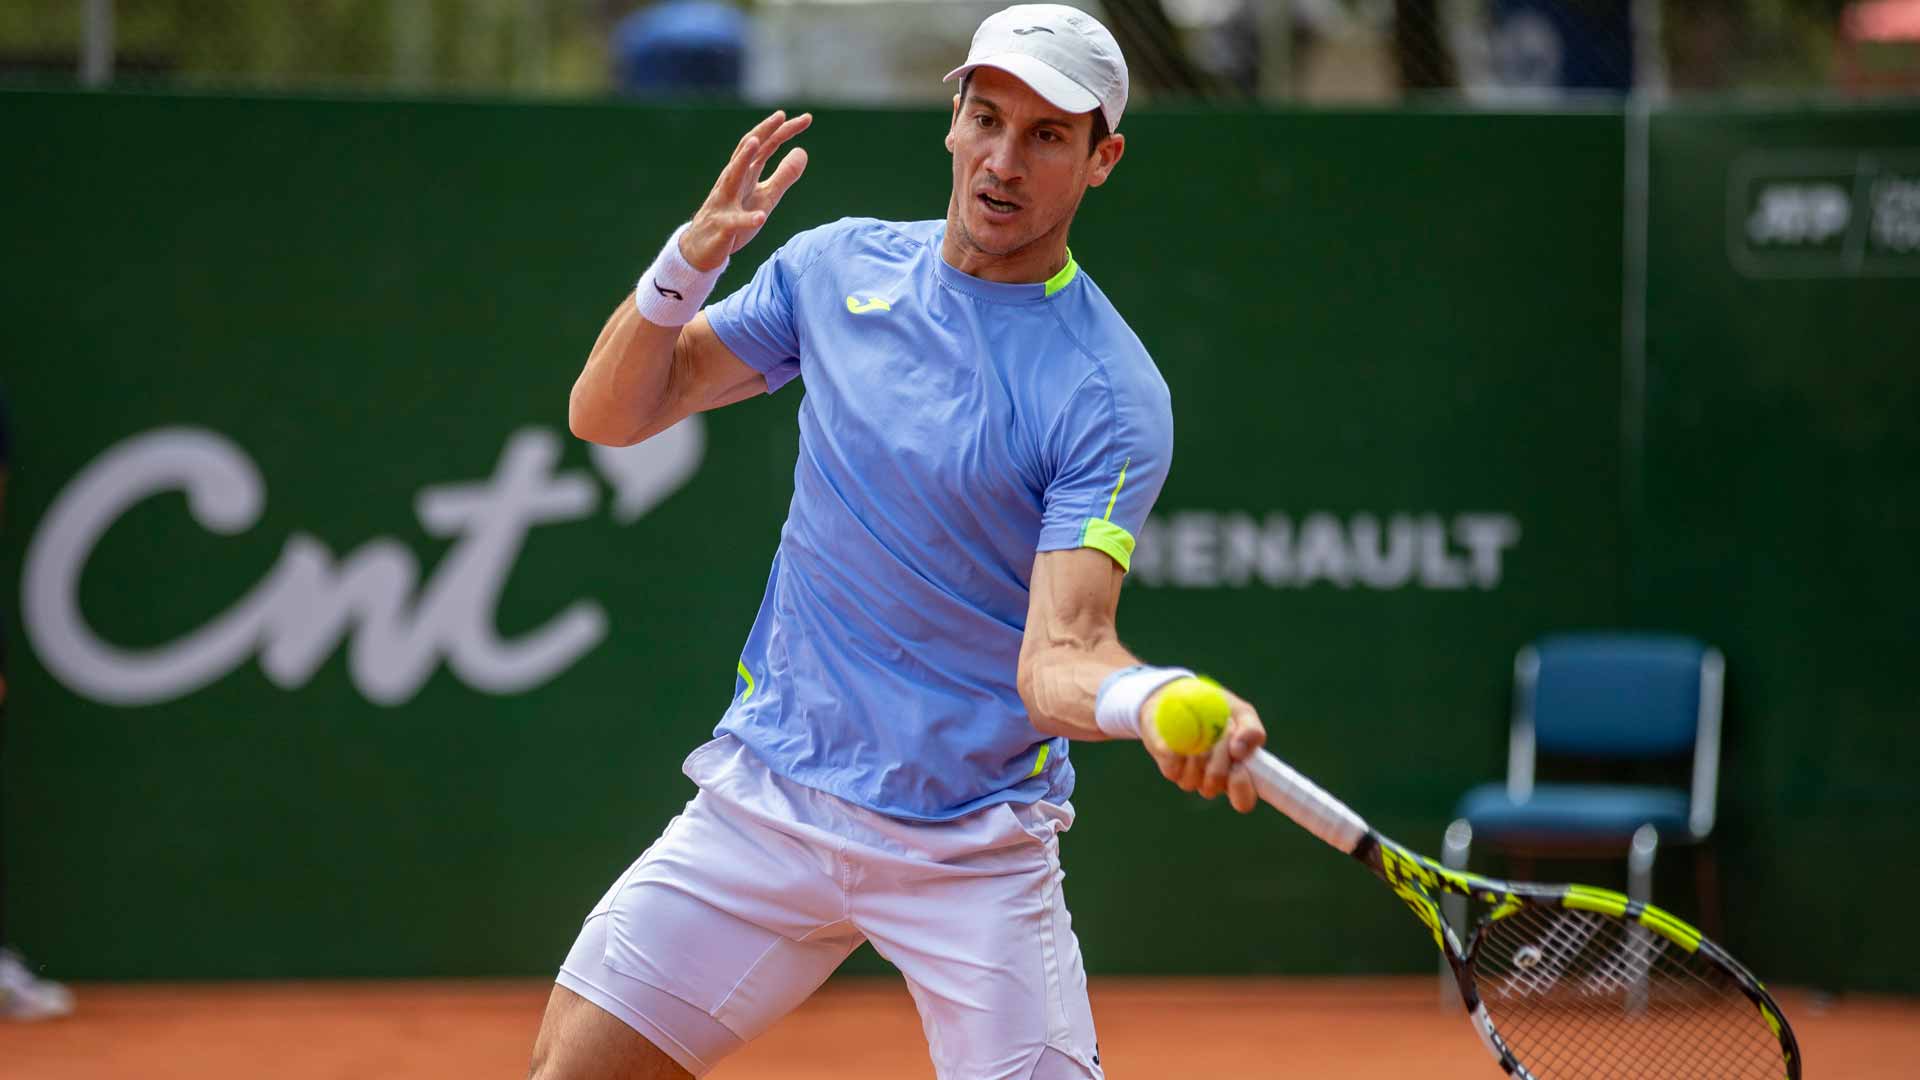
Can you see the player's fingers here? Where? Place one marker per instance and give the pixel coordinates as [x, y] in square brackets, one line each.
[749, 154]
[735, 176]
[767, 147]
[784, 176]
[1219, 761]
[1246, 733]
[779, 136]
[759, 131]
[1240, 790]
[1193, 770]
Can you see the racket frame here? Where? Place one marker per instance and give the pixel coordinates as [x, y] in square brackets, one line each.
[1419, 882]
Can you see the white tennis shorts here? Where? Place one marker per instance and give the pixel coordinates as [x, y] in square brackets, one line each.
[762, 886]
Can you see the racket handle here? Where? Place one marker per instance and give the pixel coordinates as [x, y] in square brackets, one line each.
[1306, 802]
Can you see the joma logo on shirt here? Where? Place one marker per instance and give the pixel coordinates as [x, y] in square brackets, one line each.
[873, 303]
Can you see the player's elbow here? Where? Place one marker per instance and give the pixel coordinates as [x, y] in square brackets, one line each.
[589, 422]
[588, 430]
[1023, 681]
[1041, 707]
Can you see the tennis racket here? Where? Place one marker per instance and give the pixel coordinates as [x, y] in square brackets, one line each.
[1566, 981]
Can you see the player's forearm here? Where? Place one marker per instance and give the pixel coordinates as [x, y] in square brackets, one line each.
[626, 387]
[1060, 683]
[643, 374]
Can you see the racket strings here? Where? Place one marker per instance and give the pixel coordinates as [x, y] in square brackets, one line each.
[1574, 1040]
[1573, 983]
[1578, 994]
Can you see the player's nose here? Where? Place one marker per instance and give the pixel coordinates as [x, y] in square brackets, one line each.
[1002, 161]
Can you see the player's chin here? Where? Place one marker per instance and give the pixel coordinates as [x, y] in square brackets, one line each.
[998, 234]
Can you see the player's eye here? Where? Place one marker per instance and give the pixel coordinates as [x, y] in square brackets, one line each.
[983, 119]
[1049, 135]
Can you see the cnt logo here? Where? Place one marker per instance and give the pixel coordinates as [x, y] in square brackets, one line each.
[400, 628]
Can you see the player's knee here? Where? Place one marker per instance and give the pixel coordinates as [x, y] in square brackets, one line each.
[580, 1040]
[537, 1069]
[540, 1068]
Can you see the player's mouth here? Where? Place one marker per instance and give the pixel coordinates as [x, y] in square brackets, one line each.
[998, 209]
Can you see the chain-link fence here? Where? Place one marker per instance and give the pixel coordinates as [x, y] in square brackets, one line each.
[1274, 51]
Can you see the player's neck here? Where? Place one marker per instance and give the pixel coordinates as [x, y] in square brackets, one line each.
[1036, 262]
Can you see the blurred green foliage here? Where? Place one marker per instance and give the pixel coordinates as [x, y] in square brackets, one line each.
[560, 46]
[519, 45]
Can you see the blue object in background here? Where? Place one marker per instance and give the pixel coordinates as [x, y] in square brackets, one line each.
[679, 47]
[1602, 696]
[1605, 697]
[1563, 44]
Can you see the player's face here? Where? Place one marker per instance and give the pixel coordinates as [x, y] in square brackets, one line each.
[1020, 164]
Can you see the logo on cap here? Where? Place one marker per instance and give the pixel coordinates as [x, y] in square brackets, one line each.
[1033, 30]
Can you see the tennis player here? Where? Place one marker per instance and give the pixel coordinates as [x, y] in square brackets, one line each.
[980, 439]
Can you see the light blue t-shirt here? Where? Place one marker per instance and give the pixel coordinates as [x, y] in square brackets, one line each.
[952, 428]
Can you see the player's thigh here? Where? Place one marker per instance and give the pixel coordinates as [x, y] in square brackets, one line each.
[1002, 998]
[669, 1024]
[994, 965]
[579, 1040]
[724, 926]
[727, 913]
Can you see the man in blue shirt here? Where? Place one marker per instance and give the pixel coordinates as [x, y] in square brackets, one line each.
[980, 439]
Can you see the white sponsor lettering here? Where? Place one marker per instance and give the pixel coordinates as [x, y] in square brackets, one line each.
[643, 475]
[1203, 549]
[1896, 213]
[310, 601]
[1795, 214]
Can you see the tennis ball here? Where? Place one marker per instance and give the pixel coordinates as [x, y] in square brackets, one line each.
[1190, 715]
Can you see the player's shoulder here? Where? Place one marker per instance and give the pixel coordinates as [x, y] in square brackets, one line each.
[850, 235]
[1113, 355]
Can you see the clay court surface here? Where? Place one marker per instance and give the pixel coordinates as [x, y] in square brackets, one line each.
[855, 1029]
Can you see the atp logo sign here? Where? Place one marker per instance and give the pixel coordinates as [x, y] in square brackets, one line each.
[1825, 213]
[399, 627]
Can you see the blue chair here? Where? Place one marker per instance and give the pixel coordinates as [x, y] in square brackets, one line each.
[1606, 699]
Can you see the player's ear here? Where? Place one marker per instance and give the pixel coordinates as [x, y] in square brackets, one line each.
[1105, 157]
[951, 121]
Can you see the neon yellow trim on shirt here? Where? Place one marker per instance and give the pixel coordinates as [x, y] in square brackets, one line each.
[1065, 277]
[1104, 535]
[1041, 761]
[741, 667]
[1111, 499]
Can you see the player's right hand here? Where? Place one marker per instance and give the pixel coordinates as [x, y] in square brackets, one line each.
[1221, 770]
[740, 201]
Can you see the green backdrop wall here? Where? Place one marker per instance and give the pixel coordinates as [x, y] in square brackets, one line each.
[333, 654]
[1779, 507]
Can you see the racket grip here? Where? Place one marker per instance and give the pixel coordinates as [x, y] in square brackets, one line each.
[1306, 802]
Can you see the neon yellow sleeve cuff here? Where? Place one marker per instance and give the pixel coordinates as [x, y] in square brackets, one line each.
[1105, 536]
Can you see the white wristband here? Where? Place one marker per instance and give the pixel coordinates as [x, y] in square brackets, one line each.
[1117, 707]
[672, 292]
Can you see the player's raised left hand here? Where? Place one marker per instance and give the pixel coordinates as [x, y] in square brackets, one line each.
[740, 202]
[1218, 770]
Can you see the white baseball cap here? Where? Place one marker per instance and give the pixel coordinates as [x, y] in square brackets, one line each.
[1063, 53]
